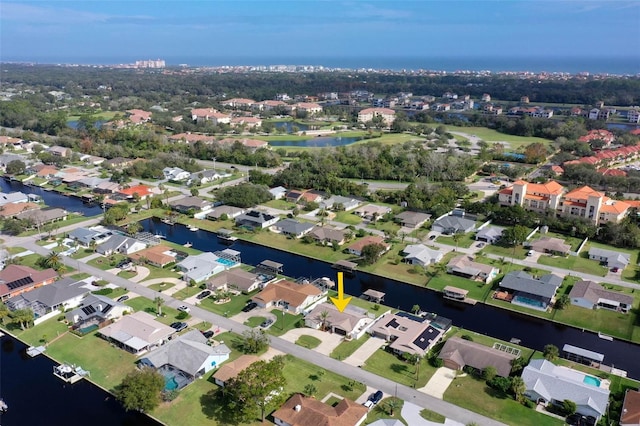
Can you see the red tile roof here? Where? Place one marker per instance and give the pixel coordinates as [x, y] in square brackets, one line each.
[141, 190]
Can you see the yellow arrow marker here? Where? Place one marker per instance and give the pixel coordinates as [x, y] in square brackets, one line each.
[341, 302]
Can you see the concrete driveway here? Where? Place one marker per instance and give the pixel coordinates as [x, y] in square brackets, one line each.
[439, 382]
[242, 317]
[329, 340]
[363, 353]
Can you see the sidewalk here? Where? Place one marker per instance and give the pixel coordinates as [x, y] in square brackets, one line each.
[363, 353]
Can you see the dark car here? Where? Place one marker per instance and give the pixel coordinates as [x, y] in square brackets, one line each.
[250, 307]
[432, 237]
[615, 269]
[266, 323]
[208, 334]
[376, 397]
[574, 419]
[203, 294]
[178, 326]
[122, 298]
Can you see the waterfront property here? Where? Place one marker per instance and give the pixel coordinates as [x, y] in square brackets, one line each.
[407, 334]
[96, 311]
[120, 244]
[231, 369]
[292, 228]
[230, 212]
[137, 333]
[357, 247]
[549, 384]
[631, 409]
[530, 292]
[159, 256]
[458, 353]
[421, 255]
[610, 258]
[289, 296]
[18, 279]
[237, 279]
[190, 204]
[328, 235]
[464, 266]
[581, 355]
[186, 358]
[255, 219]
[304, 411]
[201, 266]
[591, 295]
[351, 322]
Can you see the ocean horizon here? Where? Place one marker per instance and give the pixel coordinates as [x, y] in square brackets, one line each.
[574, 65]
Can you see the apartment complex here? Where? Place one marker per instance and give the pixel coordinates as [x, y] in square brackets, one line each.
[584, 202]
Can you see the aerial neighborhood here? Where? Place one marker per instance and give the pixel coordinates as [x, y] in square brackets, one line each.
[300, 253]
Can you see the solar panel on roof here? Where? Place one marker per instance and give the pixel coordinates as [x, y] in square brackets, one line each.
[423, 341]
[393, 323]
[88, 310]
[19, 283]
[107, 309]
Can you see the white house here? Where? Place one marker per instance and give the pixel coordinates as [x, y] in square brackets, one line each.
[120, 244]
[175, 173]
[200, 267]
[278, 192]
[419, 254]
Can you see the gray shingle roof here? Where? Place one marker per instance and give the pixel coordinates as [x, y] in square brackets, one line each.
[57, 292]
[545, 286]
[455, 222]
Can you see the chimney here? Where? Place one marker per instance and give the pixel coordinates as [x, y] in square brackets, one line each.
[298, 407]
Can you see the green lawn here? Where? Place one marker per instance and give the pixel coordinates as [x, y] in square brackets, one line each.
[518, 252]
[473, 394]
[161, 286]
[254, 321]
[348, 347]
[228, 309]
[490, 135]
[283, 323]
[388, 226]
[169, 315]
[279, 204]
[348, 218]
[580, 263]
[308, 342]
[390, 265]
[127, 274]
[477, 290]
[187, 292]
[381, 411]
[106, 263]
[466, 240]
[82, 253]
[155, 272]
[631, 272]
[281, 242]
[432, 416]
[388, 365]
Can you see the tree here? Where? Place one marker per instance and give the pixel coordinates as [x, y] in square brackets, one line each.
[24, 317]
[323, 319]
[4, 312]
[254, 341]
[391, 405]
[517, 365]
[415, 309]
[457, 236]
[551, 352]
[53, 261]
[569, 407]
[159, 301]
[140, 390]
[371, 253]
[518, 388]
[310, 390]
[194, 192]
[514, 236]
[133, 228]
[562, 302]
[256, 390]
[16, 167]
[489, 373]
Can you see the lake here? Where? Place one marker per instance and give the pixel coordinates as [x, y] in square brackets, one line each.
[319, 142]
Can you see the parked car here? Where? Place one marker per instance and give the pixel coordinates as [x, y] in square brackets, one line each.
[184, 308]
[368, 403]
[376, 397]
[530, 253]
[125, 264]
[208, 334]
[122, 298]
[178, 326]
[266, 323]
[203, 294]
[615, 269]
[250, 307]
[432, 237]
[480, 245]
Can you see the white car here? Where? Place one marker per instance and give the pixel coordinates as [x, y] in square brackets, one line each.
[184, 309]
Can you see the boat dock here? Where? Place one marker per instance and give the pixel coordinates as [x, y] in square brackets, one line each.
[373, 296]
[345, 265]
[271, 266]
[225, 235]
[69, 373]
[458, 295]
[34, 351]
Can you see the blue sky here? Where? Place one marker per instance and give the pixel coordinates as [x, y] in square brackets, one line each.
[37, 30]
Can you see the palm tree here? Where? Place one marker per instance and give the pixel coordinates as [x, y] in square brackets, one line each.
[133, 228]
[456, 238]
[159, 301]
[53, 261]
[4, 312]
[23, 317]
[392, 404]
[415, 309]
[518, 387]
[323, 318]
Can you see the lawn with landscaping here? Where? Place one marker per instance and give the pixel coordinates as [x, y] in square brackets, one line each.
[159, 287]
[169, 315]
[284, 322]
[254, 321]
[580, 263]
[517, 252]
[347, 347]
[347, 217]
[229, 309]
[478, 290]
[387, 364]
[464, 240]
[308, 342]
[382, 411]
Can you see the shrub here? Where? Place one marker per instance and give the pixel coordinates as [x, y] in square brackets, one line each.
[170, 395]
[103, 291]
[529, 403]
[467, 337]
[182, 315]
[436, 362]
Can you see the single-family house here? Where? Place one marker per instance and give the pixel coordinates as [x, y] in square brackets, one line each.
[453, 225]
[188, 357]
[547, 383]
[107, 187]
[206, 176]
[118, 163]
[137, 333]
[44, 216]
[293, 196]
[86, 236]
[235, 279]
[630, 415]
[190, 203]
[142, 191]
[311, 196]
[96, 310]
[10, 210]
[175, 173]
[372, 212]
[94, 160]
[230, 212]
[464, 266]
[591, 295]
[328, 235]
[63, 294]
[489, 234]
[278, 192]
[256, 219]
[300, 410]
[356, 247]
[292, 228]
[407, 334]
[231, 369]
[551, 245]
[138, 116]
[18, 279]
[421, 255]
[458, 353]
[289, 296]
[209, 114]
[338, 202]
[413, 220]
[120, 244]
[530, 292]
[60, 151]
[200, 267]
[238, 103]
[159, 256]
[13, 197]
[610, 258]
[351, 322]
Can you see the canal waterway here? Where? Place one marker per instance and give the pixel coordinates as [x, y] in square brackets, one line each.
[481, 318]
[37, 398]
[503, 324]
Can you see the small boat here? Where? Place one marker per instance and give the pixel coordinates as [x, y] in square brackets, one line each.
[193, 228]
[3, 406]
[33, 351]
[605, 337]
[160, 236]
[67, 372]
[187, 245]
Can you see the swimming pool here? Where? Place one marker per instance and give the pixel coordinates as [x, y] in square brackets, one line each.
[593, 381]
[170, 383]
[225, 262]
